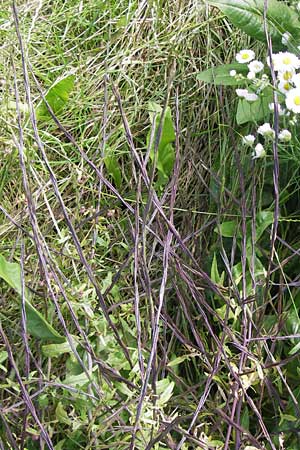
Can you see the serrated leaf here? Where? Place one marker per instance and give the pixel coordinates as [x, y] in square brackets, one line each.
[248, 15]
[37, 325]
[220, 75]
[57, 97]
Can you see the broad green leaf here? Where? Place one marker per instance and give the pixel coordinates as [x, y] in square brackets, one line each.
[36, 323]
[38, 326]
[165, 151]
[165, 391]
[57, 97]
[62, 415]
[248, 15]
[112, 166]
[226, 229]
[55, 350]
[78, 380]
[263, 220]
[220, 75]
[254, 111]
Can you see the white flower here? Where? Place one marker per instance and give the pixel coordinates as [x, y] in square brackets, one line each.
[232, 73]
[292, 100]
[296, 80]
[266, 130]
[241, 92]
[245, 56]
[285, 38]
[256, 66]
[285, 136]
[284, 87]
[248, 140]
[251, 75]
[251, 97]
[286, 75]
[298, 7]
[250, 447]
[259, 152]
[283, 61]
[281, 111]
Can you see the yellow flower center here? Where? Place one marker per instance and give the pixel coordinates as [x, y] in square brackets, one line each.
[286, 60]
[245, 55]
[287, 75]
[287, 86]
[297, 100]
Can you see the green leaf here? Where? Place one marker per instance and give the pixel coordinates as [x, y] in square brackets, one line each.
[55, 350]
[263, 220]
[176, 361]
[36, 323]
[62, 415]
[214, 272]
[112, 166]
[248, 15]
[78, 380]
[254, 111]
[226, 229]
[165, 151]
[295, 349]
[220, 75]
[57, 97]
[164, 390]
[38, 326]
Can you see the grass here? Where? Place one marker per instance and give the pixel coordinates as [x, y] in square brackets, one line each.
[163, 308]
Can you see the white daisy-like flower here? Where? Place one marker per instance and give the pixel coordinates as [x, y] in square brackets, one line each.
[232, 73]
[287, 75]
[284, 87]
[245, 56]
[296, 80]
[285, 136]
[292, 100]
[284, 61]
[285, 38]
[266, 130]
[241, 92]
[259, 152]
[256, 66]
[251, 97]
[281, 111]
[248, 140]
[251, 75]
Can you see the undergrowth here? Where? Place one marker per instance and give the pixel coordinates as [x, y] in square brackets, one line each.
[125, 287]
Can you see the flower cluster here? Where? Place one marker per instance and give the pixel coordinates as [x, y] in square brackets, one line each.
[285, 66]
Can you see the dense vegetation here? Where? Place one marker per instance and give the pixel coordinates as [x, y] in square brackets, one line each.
[146, 301]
